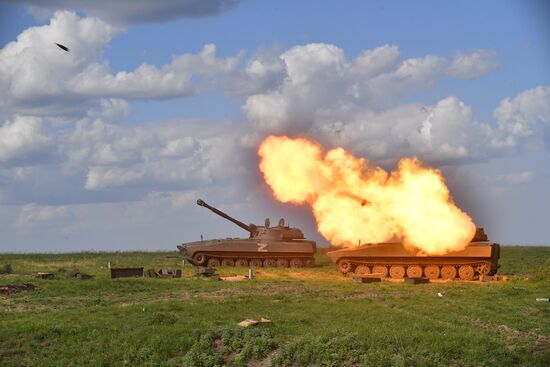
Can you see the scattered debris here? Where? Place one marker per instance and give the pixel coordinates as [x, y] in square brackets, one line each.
[234, 278]
[493, 278]
[72, 273]
[500, 277]
[150, 273]
[6, 269]
[543, 299]
[75, 273]
[416, 280]
[250, 273]
[126, 272]
[254, 321]
[363, 279]
[440, 294]
[14, 288]
[169, 273]
[206, 272]
[42, 275]
[163, 273]
[486, 278]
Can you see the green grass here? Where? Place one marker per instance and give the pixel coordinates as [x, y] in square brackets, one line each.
[319, 317]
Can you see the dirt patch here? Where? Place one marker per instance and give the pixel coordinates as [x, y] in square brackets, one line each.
[538, 344]
[234, 278]
[299, 275]
[263, 363]
[16, 288]
[266, 275]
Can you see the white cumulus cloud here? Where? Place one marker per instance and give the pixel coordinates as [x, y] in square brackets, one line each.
[24, 138]
[34, 214]
[473, 64]
[38, 78]
[357, 104]
[521, 118]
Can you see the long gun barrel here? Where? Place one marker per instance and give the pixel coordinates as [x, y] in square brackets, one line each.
[222, 214]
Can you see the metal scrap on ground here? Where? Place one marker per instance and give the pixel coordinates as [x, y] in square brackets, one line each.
[43, 275]
[254, 321]
[163, 273]
[206, 272]
[78, 275]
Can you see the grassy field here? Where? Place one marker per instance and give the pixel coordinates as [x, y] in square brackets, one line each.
[319, 317]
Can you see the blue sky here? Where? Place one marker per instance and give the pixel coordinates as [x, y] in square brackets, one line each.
[517, 30]
[111, 146]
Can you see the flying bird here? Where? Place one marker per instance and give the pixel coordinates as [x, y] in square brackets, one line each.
[64, 48]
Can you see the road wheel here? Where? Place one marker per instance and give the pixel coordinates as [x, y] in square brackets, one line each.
[228, 262]
[362, 270]
[199, 259]
[381, 270]
[282, 263]
[466, 272]
[414, 271]
[344, 266]
[213, 263]
[270, 263]
[257, 263]
[431, 271]
[309, 262]
[241, 262]
[296, 263]
[397, 272]
[448, 272]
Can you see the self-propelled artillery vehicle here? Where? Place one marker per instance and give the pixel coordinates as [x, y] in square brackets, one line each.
[280, 246]
[393, 260]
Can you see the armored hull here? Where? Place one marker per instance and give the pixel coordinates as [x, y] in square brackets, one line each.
[393, 260]
[280, 246]
[253, 252]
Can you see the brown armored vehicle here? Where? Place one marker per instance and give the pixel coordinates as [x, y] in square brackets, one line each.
[393, 260]
[280, 246]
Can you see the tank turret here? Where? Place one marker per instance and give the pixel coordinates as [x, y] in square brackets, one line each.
[279, 232]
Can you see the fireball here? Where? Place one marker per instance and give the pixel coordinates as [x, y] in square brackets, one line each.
[355, 202]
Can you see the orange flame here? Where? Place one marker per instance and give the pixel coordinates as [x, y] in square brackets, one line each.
[356, 202]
